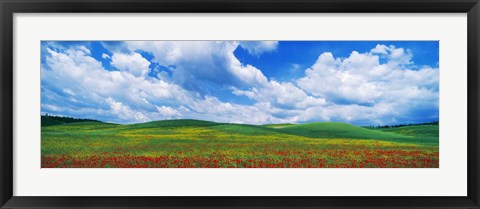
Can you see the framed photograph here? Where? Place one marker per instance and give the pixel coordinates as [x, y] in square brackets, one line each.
[239, 104]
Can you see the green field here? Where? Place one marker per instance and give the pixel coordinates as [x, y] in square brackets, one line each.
[203, 144]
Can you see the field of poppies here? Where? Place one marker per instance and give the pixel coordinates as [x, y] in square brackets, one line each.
[203, 144]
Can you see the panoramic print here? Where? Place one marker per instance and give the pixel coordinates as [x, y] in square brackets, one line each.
[239, 104]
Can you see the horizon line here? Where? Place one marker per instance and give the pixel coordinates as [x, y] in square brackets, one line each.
[377, 125]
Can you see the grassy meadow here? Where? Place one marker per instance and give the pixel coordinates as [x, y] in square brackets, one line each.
[203, 144]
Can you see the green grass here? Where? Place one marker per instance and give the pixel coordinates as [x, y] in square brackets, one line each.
[196, 143]
[279, 125]
[344, 130]
[336, 130]
[414, 130]
[250, 130]
[174, 123]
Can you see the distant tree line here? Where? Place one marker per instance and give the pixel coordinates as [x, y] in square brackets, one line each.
[405, 124]
[68, 119]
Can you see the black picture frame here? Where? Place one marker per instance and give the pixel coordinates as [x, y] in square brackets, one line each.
[9, 7]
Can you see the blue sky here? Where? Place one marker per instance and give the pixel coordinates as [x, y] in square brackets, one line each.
[256, 82]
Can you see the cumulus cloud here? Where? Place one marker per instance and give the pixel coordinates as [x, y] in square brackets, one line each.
[344, 80]
[395, 56]
[168, 112]
[256, 48]
[364, 88]
[259, 113]
[201, 66]
[133, 63]
[125, 112]
[284, 94]
[73, 80]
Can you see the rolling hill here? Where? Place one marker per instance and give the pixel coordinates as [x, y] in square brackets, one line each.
[335, 130]
[174, 123]
[201, 144]
[320, 130]
[414, 130]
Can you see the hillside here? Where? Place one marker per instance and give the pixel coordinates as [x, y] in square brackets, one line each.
[174, 123]
[319, 130]
[414, 130]
[344, 130]
[279, 125]
[335, 130]
[245, 129]
[204, 144]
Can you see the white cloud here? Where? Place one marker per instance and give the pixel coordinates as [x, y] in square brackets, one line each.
[202, 63]
[133, 63]
[122, 97]
[211, 107]
[256, 48]
[124, 112]
[284, 94]
[346, 79]
[395, 56]
[116, 96]
[360, 78]
[360, 88]
[105, 56]
[84, 49]
[168, 112]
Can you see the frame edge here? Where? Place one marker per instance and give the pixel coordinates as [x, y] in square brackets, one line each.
[473, 178]
[6, 106]
[6, 95]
